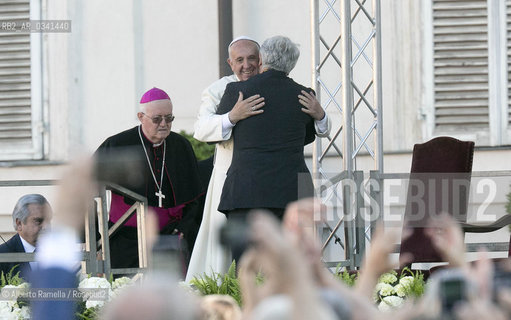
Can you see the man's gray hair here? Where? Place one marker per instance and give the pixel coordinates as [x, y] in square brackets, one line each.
[279, 53]
[21, 211]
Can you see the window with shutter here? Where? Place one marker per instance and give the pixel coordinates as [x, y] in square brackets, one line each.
[20, 87]
[460, 36]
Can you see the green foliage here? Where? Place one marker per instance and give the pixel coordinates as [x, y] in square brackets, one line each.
[202, 150]
[11, 278]
[259, 279]
[414, 290]
[86, 313]
[418, 284]
[345, 276]
[217, 284]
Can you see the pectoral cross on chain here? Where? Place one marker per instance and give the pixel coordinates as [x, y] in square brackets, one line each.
[160, 196]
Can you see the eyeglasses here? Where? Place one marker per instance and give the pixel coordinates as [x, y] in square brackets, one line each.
[157, 120]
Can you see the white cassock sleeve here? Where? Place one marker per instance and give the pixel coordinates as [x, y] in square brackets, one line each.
[323, 126]
[208, 127]
[211, 127]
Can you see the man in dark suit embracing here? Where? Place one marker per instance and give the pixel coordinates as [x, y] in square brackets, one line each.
[31, 214]
[268, 169]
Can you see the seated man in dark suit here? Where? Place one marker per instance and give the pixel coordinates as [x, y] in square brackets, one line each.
[268, 169]
[30, 215]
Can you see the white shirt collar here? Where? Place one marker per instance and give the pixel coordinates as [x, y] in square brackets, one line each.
[28, 247]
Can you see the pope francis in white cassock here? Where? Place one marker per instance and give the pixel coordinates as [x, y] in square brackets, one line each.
[208, 254]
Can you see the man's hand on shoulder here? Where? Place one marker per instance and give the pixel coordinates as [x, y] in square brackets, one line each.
[246, 108]
[311, 104]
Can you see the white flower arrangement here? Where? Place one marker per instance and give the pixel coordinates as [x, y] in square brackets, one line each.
[406, 281]
[95, 283]
[388, 278]
[12, 286]
[16, 308]
[189, 288]
[11, 308]
[400, 290]
[391, 290]
[121, 283]
[114, 288]
[386, 290]
[389, 303]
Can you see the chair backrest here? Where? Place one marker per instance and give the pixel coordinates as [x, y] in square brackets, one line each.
[439, 182]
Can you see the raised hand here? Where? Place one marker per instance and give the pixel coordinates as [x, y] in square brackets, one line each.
[311, 104]
[76, 190]
[377, 261]
[246, 108]
[448, 239]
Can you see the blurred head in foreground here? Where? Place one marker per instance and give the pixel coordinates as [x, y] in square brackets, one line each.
[157, 298]
[219, 307]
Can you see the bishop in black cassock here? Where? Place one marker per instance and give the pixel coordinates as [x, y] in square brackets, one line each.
[159, 150]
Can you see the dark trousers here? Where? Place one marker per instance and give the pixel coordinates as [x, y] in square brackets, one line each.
[124, 249]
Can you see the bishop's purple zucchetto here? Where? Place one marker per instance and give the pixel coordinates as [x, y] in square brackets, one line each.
[154, 94]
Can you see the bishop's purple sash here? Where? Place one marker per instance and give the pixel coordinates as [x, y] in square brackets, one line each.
[165, 215]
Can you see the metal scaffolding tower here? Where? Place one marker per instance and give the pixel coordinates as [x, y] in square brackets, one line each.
[346, 59]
